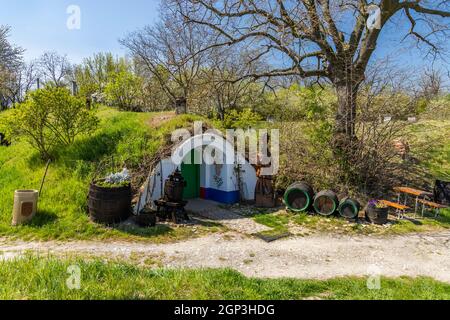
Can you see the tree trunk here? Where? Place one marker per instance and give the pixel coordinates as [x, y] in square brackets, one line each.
[181, 105]
[345, 135]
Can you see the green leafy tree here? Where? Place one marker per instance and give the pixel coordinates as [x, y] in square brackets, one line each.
[94, 73]
[244, 119]
[50, 118]
[125, 90]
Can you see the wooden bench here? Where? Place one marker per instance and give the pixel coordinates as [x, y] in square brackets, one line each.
[435, 206]
[407, 191]
[399, 208]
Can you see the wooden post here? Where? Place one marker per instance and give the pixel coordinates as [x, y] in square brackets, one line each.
[181, 106]
[74, 88]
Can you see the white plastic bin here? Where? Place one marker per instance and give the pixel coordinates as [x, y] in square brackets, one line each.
[25, 206]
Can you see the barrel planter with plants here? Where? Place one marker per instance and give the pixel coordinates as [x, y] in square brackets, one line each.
[377, 212]
[349, 208]
[110, 199]
[299, 197]
[326, 203]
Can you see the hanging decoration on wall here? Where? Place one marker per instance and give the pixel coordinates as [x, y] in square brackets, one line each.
[218, 180]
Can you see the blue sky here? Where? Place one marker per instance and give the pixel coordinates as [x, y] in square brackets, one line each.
[41, 25]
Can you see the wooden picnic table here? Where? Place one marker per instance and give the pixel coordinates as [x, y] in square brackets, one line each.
[413, 192]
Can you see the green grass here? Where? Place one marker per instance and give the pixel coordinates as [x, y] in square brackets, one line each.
[128, 136]
[62, 208]
[45, 278]
[282, 222]
[431, 144]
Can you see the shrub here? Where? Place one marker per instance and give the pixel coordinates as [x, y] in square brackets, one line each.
[298, 103]
[125, 91]
[50, 118]
[241, 119]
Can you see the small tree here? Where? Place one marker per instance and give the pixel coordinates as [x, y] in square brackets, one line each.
[241, 120]
[94, 73]
[125, 90]
[50, 118]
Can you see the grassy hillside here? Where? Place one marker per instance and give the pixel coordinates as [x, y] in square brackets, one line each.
[62, 208]
[432, 138]
[45, 278]
[133, 137]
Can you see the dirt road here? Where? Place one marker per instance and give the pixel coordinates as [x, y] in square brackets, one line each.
[313, 257]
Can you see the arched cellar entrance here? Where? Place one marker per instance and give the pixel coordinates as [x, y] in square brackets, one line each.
[226, 183]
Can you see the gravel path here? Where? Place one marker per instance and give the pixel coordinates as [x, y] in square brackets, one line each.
[212, 210]
[312, 257]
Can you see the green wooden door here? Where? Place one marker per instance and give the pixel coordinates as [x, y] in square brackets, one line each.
[191, 173]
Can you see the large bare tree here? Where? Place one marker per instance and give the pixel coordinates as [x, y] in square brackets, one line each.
[10, 55]
[224, 65]
[55, 68]
[323, 39]
[170, 52]
[16, 84]
[10, 60]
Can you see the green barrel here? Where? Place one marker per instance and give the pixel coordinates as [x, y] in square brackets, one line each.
[349, 208]
[326, 203]
[298, 197]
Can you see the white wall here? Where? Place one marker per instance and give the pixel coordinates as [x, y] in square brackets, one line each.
[248, 182]
[153, 189]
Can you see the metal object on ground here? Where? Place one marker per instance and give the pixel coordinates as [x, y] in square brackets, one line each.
[109, 205]
[299, 197]
[25, 206]
[326, 203]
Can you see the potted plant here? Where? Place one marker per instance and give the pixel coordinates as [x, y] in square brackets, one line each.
[377, 212]
[110, 198]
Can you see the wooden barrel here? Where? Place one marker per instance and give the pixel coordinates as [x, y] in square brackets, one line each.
[174, 187]
[173, 191]
[299, 197]
[109, 205]
[349, 208]
[326, 203]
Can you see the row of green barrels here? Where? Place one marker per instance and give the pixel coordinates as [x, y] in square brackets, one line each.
[300, 197]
